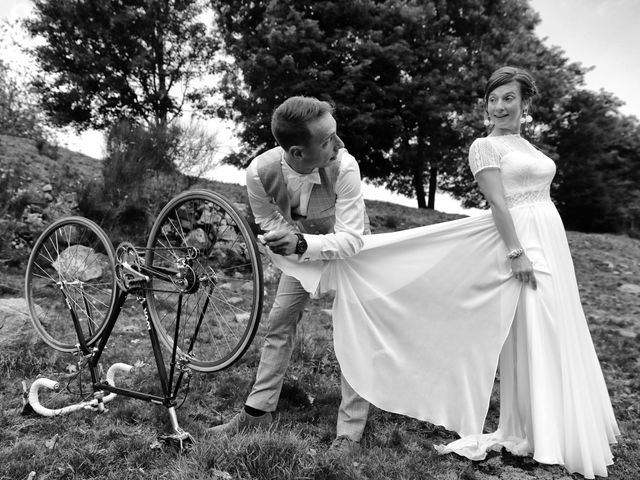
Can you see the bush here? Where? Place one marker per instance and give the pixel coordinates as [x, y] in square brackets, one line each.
[10, 184]
[13, 201]
[20, 114]
[92, 203]
[14, 251]
[47, 148]
[138, 179]
[195, 151]
[144, 167]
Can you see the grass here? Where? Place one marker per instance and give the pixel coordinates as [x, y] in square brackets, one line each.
[122, 443]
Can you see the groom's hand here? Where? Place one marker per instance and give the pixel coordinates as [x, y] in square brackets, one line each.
[281, 242]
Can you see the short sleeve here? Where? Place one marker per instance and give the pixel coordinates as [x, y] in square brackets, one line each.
[483, 155]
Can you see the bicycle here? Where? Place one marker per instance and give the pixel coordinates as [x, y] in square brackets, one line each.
[198, 280]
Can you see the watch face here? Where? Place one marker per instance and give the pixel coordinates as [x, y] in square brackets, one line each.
[301, 246]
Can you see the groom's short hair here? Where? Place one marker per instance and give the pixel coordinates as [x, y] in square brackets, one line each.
[289, 122]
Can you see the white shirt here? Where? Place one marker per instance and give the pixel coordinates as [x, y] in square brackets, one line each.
[349, 226]
[299, 186]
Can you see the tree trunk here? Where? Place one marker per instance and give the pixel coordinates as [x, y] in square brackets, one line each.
[161, 98]
[418, 184]
[433, 186]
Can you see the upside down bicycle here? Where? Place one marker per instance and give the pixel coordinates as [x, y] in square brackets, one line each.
[198, 280]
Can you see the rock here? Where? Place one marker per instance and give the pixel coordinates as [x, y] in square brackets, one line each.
[627, 333]
[242, 208]
[64, 206]
[47, 188]
[226, 234]
[81, 263]
[629, 288]
[198, 238]
[15, 322]
[208, 217]
[34, 220]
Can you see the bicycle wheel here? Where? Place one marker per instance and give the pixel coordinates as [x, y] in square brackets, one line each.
[206, 273]
[71, 269]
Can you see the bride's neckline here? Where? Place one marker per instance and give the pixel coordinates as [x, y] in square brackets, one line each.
[505, 135]
[509, 138]
[519, 141]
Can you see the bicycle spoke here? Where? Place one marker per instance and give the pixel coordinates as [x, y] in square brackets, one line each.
[200, 237]
[71, 266]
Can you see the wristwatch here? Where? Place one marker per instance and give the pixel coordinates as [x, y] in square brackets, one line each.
[301, 246]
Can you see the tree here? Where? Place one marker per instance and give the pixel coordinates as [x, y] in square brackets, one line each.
[557, 79]
[284, 48]
[404, 74]
[598, 162]
[196, 150]
[20, 110]
[108, 60]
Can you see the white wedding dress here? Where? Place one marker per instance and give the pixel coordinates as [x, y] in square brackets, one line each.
[422, 316]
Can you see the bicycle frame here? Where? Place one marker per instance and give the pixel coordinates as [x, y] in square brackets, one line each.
[169, 387]
[190, 279]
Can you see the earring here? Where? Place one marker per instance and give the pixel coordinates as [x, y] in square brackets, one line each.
[486, 122]
[526, 118]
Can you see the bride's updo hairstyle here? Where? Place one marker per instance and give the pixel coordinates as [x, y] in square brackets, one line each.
[505, 75]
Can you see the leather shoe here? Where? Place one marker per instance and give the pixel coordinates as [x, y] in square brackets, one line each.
[241, 423]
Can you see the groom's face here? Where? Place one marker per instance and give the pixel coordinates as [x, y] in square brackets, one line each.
[323, 145]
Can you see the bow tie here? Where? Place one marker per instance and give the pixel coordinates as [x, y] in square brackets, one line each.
[298, 180]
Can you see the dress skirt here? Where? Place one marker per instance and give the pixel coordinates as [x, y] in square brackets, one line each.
[423, 317]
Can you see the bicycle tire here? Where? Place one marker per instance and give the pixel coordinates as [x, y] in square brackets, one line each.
[71, 265]
[201, 234]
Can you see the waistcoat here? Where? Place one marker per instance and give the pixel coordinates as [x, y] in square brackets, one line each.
[321, 210]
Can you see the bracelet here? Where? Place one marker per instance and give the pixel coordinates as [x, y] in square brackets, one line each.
[513, 254]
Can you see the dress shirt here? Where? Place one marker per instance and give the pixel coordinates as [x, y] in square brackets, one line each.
[346, 240]
[299, 186]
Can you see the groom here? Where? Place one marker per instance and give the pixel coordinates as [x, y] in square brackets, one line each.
[306, 194]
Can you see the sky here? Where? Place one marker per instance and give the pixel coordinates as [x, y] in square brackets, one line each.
[602, 34]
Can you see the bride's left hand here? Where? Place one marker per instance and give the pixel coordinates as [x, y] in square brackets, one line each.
[522, 269]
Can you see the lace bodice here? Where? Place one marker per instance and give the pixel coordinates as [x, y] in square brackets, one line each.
[526, 171]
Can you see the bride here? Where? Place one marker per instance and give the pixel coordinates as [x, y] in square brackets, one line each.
[428, 313]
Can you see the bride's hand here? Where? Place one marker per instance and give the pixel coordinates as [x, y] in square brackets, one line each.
[522, 269]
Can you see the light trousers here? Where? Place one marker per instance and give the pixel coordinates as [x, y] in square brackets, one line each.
[285, 314]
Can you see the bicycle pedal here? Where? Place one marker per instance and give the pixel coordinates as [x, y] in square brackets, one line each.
[182, 441]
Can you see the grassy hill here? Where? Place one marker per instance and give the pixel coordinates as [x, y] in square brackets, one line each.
[121, 444]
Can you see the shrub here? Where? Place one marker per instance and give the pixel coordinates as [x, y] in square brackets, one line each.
[10, 184]
[144, 167]
[195, 151]
[47, 147]
[20, 112]
[92, 203]
[13, 201]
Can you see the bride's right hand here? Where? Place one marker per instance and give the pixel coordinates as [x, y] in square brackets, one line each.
[522, 269]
